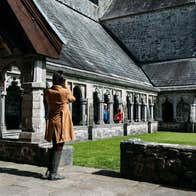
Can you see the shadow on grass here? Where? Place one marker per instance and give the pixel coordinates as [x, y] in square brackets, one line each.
[108, 173]
[21, 173]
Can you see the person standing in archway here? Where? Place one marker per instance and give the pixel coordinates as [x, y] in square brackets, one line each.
[119, 116]
[105, 113]
[59, 126]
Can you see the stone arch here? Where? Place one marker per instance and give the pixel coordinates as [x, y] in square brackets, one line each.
[13, 98]
[116, 104]
[106, 107]
[106, 98]
[182, 111]
[96, 107]
[128, 108]
[167, 111]
[135, 108]
[77, 107]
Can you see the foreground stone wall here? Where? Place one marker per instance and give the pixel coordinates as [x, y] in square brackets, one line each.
[31, 153]
[159, 163]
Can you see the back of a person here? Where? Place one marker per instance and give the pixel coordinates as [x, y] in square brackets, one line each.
[56, 99]
[59, 126]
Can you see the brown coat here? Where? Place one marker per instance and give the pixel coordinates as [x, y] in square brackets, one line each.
[59, 120]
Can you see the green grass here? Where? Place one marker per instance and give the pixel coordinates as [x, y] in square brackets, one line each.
[105, 153]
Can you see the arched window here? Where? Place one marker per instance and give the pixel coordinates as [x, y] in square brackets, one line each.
[96, 107]
[143, 106]
[76, 107]
[13, 99]
[128, 109]
[167, 111]
[106, 109]
[135, 109]
[182, 111]
[116, 105]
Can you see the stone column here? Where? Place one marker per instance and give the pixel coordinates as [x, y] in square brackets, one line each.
[174, 108]
[193, 115]
[137, 107]
[101, 121]
[90, 110]
[151, 112]
[160, 110]
[131, 112]
[33, 113]
[145, 113]
[83, 102]
[139, 112]
[2, 112]
[111, 111]
[130, 105]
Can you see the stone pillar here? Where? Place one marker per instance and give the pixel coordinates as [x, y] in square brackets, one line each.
[145, 113]
[33, 113]
[90, 110]
[151, 112]
[101, 121]
[137, 105]
[160, 111]
[111, 112]
[131, 112]
[83, 102]
[139, 112]
[193, 115]
[2, 112]
[174, 108]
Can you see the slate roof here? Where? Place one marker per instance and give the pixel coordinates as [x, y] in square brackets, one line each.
[174, 73]
[87, 46]
[120, 8]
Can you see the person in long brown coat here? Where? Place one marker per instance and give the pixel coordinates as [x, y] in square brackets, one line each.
[59, 126]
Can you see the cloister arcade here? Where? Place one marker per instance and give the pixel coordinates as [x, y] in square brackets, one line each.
[136, 106]
[22, 106]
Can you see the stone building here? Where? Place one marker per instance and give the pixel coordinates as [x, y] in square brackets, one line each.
[135, 55]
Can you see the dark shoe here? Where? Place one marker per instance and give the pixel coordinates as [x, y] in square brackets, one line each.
[55, 177]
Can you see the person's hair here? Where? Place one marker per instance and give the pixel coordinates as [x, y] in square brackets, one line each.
[58, 78]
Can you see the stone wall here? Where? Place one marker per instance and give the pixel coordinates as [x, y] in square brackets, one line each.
[137, 128]
[107, 131]
[31, 153]
[175, 126]
[112, 130]
[159, 163]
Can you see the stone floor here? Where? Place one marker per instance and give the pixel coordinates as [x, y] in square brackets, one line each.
[26, 180]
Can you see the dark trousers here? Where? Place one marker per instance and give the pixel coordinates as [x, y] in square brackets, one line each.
[56, 149]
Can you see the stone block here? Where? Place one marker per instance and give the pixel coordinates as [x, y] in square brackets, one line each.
[158, 163]
[32, 153]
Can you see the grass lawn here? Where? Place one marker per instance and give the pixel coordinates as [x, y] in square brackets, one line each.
[105, 153]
